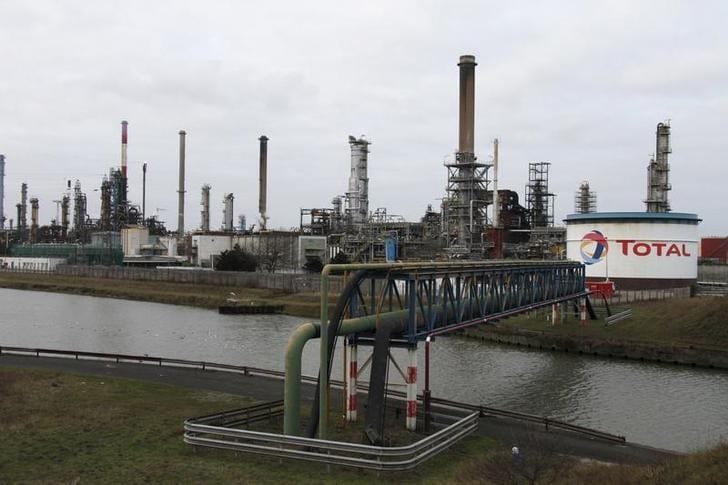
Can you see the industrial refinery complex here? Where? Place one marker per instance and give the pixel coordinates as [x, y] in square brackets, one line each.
[477, 219]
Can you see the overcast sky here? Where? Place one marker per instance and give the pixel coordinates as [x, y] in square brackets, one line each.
[579, 84]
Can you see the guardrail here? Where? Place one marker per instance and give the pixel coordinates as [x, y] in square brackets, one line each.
[206, 431]
[547, 422]
[251, 371]
[617, 317]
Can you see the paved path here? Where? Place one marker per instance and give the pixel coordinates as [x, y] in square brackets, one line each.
[509, 432]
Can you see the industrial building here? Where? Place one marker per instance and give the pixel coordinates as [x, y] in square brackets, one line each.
[476, 219]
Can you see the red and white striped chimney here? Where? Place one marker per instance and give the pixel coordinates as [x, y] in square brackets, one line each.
[123, 148]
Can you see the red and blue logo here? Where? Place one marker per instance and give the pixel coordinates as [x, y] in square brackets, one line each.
[594, 247]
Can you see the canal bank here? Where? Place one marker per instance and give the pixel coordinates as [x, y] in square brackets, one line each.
[691, 355]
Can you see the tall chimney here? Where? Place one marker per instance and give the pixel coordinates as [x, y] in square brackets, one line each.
[23, 222]
[467, 104]
[496, 202]
[144, 192]
[123, 148]
[34, 219]
[205, 203]
[2, 191]
[19, 208]
[181, 191]
[262, 201]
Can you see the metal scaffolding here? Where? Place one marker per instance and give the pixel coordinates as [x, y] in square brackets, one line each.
[539, 201]
[466, 204]
[585, 199]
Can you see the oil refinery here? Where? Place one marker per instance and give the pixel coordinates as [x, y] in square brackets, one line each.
[476, 219]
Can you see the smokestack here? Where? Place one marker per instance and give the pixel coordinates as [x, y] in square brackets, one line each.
[496, 202]
[144, 192]
[205, 225]
[181, 191]
[2, 191]
[262, 201]
[23, 222]
[33, 219]
[467, 104]
[123, 149]
[19, 208]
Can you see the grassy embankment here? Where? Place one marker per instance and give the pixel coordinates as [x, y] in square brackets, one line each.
[65, 428]
[695, 321]
[57, 428]
[205, 296]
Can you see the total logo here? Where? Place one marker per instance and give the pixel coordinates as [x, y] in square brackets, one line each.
[594, 248]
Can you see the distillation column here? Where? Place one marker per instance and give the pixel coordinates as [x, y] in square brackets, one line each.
[205, 213]
[227, 213]
[33, 220]
[658, 171]
[357, 197]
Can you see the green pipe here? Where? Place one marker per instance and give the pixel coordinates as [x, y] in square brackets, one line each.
[292, 385]
[294, 350]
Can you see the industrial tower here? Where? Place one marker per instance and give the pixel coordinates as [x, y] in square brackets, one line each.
[467, 179]
[658, 170]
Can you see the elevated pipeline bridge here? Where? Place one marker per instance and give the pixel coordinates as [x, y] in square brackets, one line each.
[403, 304]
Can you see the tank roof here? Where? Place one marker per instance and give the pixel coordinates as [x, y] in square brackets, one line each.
[683, 217]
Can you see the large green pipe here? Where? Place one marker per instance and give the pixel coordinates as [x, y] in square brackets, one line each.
[294, 350]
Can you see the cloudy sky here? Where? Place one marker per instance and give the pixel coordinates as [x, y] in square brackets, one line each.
[579, 84]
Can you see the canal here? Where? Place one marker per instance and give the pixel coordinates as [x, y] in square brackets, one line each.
[662, 405]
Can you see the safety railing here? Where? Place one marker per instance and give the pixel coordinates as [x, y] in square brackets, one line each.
[617, 317]
[255, 371]
[216, 431]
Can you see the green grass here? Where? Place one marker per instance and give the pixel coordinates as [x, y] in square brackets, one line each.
[695, 321]
[58, 428]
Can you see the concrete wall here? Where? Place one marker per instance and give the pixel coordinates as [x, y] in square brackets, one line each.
[274, 250]
[10, 263]
[716, 272]
[210, 245]
[296, 283]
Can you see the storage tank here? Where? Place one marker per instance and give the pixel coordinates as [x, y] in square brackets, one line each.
[636, 250]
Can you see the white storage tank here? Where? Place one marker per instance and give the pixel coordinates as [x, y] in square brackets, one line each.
[636, 250]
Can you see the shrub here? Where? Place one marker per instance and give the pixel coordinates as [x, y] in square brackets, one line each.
[236, 259]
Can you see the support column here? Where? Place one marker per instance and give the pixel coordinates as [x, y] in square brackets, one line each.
[555, 313]
[412, 389]
[582, 309]
[426, 393]
[351, 403]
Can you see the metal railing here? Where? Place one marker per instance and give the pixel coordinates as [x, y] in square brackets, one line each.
[255, 371]
[617, 317]
[547, 422]
[207, 431]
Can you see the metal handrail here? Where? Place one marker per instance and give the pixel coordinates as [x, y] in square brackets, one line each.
[326, 451]
[618, 317]
[249, 371]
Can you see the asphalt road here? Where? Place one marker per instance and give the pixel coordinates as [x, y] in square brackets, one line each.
[508, 431]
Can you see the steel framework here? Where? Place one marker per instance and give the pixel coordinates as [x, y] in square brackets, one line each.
[438, 300]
